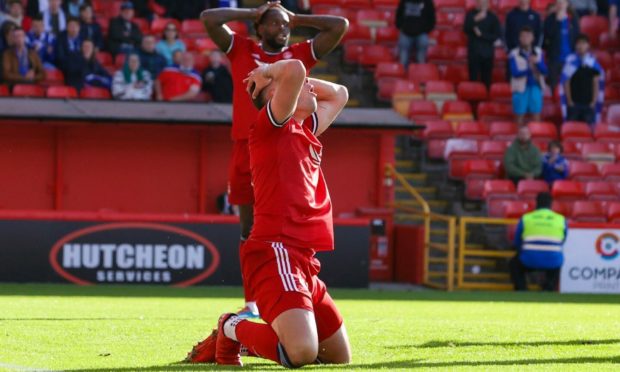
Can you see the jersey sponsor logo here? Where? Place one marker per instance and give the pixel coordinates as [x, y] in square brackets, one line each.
[134, 253]
[607, 246]
[315, 155]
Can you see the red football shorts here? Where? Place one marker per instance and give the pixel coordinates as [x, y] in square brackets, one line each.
[283, 278]
[240, 191]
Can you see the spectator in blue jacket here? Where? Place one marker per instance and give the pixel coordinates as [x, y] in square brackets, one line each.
[150, 60]
[517, 18]
[555, 166]
[42, 42]
[89, 29]
[560, 33]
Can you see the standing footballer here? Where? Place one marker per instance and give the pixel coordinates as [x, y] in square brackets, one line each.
[273, 25]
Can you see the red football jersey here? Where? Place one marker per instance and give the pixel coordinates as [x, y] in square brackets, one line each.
[175, 82]
[243, 54]
[292, 203]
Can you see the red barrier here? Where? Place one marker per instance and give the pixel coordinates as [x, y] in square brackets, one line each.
[409, 254]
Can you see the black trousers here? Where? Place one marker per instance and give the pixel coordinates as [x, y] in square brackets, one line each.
[518, 271]
[480, 69]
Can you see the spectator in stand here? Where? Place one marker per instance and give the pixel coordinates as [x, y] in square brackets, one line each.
[179, 82]
[560, 31]
[54, 18]
[482, 29]
[517, 18]
[539, 241]
[582, 88]
[16, 15]
[88, 71]
[142, 9]
[19, 64]
[124, 35]
[7, 34]
[188, 9]
[36, 7]
[613, 17]
[150, 60]
[43, 42]
[170, 43]
[217, 80]
[132, 82]
[522, 159]
[555, 166]
[72, 7]
[415, 19]
[527, 77]
[89, 29]
[69, 51]
[584, 7]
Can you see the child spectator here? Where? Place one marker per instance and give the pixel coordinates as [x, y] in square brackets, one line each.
[124, 35]
[54, 18]
[20, 65]
[88, 71]
[217, 79]
[132, 82]
[150, 60]
[43, 42]
[89, 29]
[555, 166]
[170, 43]
[582, 88]
[527, 77]
[179, 82]
[560, 31]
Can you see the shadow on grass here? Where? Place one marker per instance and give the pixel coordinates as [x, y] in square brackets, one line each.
[438, 344]
[399, 364]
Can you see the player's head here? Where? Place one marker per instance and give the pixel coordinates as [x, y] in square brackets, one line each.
[306, 103]
[526, 36]
[582, 44]
[273, 28]
[543, 200]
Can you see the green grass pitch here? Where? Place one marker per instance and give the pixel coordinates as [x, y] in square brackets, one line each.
[62, 327]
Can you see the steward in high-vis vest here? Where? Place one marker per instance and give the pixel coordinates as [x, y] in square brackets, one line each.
[539, 240]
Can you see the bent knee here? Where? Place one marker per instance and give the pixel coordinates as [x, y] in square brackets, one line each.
[301, 355]
[341, 358]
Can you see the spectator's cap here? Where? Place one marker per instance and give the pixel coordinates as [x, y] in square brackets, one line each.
[126, 5]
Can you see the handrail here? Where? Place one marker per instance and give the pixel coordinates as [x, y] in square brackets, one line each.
[392, 173]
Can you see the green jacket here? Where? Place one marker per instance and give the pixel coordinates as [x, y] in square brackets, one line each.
[519, 160]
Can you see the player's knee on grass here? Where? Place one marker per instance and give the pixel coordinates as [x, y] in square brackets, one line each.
[336, 349]
[301, 352]
[296, 330]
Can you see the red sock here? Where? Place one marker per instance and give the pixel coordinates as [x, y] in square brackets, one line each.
[260, 339]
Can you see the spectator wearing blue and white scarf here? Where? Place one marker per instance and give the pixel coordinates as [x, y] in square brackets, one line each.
[582, 85]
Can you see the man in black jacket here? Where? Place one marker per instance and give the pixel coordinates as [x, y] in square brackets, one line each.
[124, 35]
[89, 29]
[415, 19]
[69, 48]
[482, 29]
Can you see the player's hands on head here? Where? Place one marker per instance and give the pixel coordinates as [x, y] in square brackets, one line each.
[265, 7]
[258, 79]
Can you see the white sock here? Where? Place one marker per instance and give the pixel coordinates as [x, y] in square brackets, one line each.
[230, 325]
[251, 305]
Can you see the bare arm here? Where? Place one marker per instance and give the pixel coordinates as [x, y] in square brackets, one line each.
[331, 30]
[331, 99]
[595, 90]
[215, 22]
[567, 92]
[287, 78]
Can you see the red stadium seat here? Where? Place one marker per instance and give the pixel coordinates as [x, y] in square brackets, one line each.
[613, 213]
[438, 129]
[568, 190]
[504, 6]
[191, 27]
[204, 45]
[593, 26]
[422, 72]
[145, 26]
[457, 111]
[60, 91]
[450, 6]
[27, 90]
[472, 91]
[552, 113]
[601, 190]
[500, 92]
[371, 16]
[588, 211]
[517, 208]
[423, 110]
[576, 131]
[373, 54]
[572, 151]
[439, 90]
[389, 4]
[53, 77]
[4, 90]
[441, 54]
[606, 42]
[453, 38]
[238, 27]
[565, 208]
[607, 133]
[503, 130]
[389, 69]
[541, 5]
[604, 59]
[119, 61]
[529, 189]
[583, 171]
[543, 131]
[405, 91]
[158, 25]
[477, 171]
[496, 193]
[95, 93]
[385, 88]
[611, 172]
[105, 58]
[353, 50]
[494, 111]
[598, 152]
[357, 32]
[472, 130]
[457, 151]
[493, 150]
[455, 73]
[201, 61]
[387, 35]
[356, 4]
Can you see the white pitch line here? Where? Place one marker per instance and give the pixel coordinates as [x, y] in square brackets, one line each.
[13, 367]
